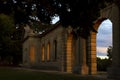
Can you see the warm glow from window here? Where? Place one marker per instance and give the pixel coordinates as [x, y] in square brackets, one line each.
[48, 51]
[43, 53]
[32, 54]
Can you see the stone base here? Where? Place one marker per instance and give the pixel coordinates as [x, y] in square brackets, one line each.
[82, 70]
[114, 73]
[93, 72]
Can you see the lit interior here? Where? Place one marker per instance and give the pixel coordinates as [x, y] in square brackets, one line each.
[32, 54]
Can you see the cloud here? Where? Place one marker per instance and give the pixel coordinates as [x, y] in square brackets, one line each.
[102, 50]
[104, 41]
[104, 35]
[105, 31]
[104, 38]
[105, 27]
[102, 57]
[106, 23]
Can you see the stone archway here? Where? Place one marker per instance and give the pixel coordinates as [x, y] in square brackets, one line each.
[93, 52]
[104, 39]
[93, 65]
[111, 12]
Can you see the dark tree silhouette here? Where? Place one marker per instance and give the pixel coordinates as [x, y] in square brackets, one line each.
[76, 13]
[79, 14]
[109, 52]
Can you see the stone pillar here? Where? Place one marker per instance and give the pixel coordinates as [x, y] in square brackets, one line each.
[69, 53]
[92, 54]
[83, 64]
[114, 70]
[63, 50]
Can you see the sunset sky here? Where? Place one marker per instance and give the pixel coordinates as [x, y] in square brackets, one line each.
[104, 38]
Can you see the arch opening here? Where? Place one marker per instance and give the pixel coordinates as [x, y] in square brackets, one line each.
[94, 42]
[104, 38]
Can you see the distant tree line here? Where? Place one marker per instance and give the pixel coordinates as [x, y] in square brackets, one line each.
[104, 64]
[10, 41]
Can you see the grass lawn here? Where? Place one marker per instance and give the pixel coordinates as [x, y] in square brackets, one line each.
[20, 74]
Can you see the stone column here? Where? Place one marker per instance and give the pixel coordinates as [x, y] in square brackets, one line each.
[114, 71]
[92, 54]
[83, 65]
[63, 50]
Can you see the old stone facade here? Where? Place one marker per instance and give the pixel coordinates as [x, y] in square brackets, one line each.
[57, 49]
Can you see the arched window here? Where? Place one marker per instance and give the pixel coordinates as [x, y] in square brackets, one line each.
[55, 50]
[32, 54]
[48, 52]
[43, 53]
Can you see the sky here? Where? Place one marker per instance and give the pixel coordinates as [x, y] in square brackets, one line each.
[55, 19]
[104, 37]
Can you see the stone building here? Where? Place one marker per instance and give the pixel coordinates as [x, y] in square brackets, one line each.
[57, 49]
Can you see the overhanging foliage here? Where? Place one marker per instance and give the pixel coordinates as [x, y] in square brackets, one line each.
[79, 14]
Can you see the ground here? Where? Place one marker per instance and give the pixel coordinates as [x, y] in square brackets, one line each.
[17, 73]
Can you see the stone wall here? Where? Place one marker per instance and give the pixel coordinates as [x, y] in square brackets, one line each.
[72, 55]
[56, 49]
[52, 38]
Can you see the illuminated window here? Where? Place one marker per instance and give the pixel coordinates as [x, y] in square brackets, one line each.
[43, 53]
[32, 54]
[48, 51]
